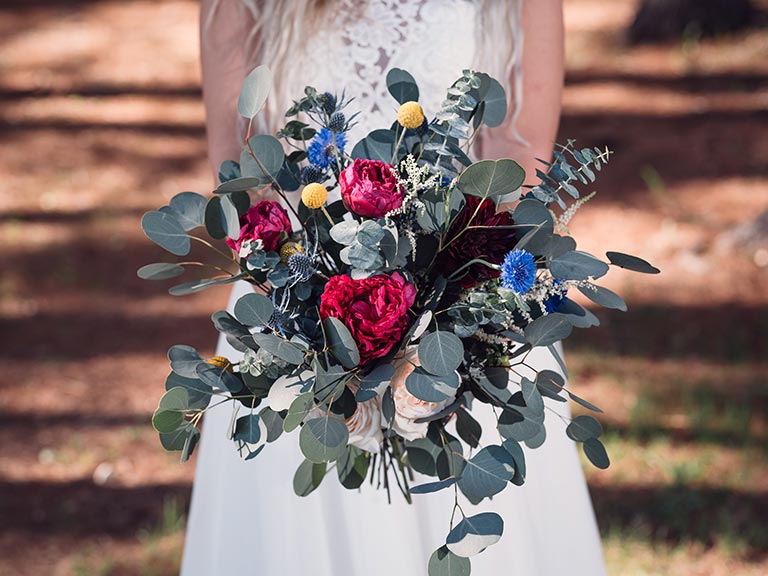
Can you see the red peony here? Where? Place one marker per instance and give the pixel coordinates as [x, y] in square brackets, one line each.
[369, 188]
[263, 221]
[486, 243]
[375, 310]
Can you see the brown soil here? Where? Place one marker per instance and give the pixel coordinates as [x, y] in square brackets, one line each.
[101, 119]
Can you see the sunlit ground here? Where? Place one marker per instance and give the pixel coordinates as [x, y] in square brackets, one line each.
[100, 119]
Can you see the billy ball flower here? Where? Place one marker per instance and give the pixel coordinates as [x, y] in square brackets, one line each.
[314, 195]
[289, 249]
[518, 271]
[221, 362]
[410, 115]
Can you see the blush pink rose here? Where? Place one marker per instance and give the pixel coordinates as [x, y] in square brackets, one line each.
[375, 310]
[263, 221]
[369, 188]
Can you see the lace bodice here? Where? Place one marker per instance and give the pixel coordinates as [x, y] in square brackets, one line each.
[434, 40]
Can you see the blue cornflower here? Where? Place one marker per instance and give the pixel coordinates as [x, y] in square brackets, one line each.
[518, 271]
[321, 148]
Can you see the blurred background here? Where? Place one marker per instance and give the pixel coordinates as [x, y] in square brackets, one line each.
[101, 119]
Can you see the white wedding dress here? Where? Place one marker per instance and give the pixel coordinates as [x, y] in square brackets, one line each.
[245, 518]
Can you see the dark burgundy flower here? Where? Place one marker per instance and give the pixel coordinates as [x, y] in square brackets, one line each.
[490, 244]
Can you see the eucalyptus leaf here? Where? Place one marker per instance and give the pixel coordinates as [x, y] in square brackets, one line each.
[440, 352]
[577, 265]
[308, 477]
[495, 101]
[402, 86]
[199, 392]
[247, 429]
[219, 378]
[474, 534]
[323, 439]
[273, 423]
[269, 152]
[231, 217]
[189, 209]
[431, 487]
[299, 409]
[287, 388]
[631, 263]
[279, 347]
[253, 95]
[375, 382]
[468, 428]
[164, 229]
[490, 178]
[378, 145]
[169, 415]
[443, 562]
[215, 223]
[238, 185]
[603, 296]
[596, 453]
[352, 467]
[547, 330]
[341, 343]
[195, 286]
[518, 456]
[431, 388]
[254, 309]
[487, 473]
[160, 271]
[582, 402]
[184, 360]
[583, 427]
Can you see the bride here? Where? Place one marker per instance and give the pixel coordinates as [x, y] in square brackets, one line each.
[245, 518]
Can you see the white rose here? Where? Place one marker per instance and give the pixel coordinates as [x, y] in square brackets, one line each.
[408, 408]
[365, 425]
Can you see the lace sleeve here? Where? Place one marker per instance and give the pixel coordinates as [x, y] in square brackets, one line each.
[224, 27]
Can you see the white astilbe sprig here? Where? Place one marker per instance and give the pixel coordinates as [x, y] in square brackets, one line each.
[561, 224]
[417, 179]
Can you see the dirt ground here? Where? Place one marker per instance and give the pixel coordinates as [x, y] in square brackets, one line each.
[101, 119]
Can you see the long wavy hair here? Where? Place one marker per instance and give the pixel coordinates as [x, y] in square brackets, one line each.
[280, 24]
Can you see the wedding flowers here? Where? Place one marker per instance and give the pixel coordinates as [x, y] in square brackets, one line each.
[489, 241]
[264, 221]
[314, 195]
[410, 115]
[369, 188]
[374, 310]
[518, 271]
[365, 425]
[408, 408]
[324, 146]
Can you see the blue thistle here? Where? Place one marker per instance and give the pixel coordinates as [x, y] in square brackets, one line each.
[553, 303]
[321, 148]
[518, 271]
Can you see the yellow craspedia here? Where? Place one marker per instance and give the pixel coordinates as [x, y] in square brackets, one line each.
[410, 115]
[314, 195]
[221, 362]
[289, 249]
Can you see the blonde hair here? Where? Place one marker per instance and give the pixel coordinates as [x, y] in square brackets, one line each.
[280, 24]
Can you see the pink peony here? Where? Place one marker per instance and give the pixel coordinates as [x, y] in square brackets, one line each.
[375, 310]
[369, 188]
[263, 221]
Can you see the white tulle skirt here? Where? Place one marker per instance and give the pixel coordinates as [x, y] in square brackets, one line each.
[246, 520]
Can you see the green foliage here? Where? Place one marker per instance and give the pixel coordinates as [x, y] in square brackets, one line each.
[474, 534]
[569, 167]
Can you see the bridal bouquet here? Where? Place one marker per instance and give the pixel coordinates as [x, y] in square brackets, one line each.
[379, 321]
